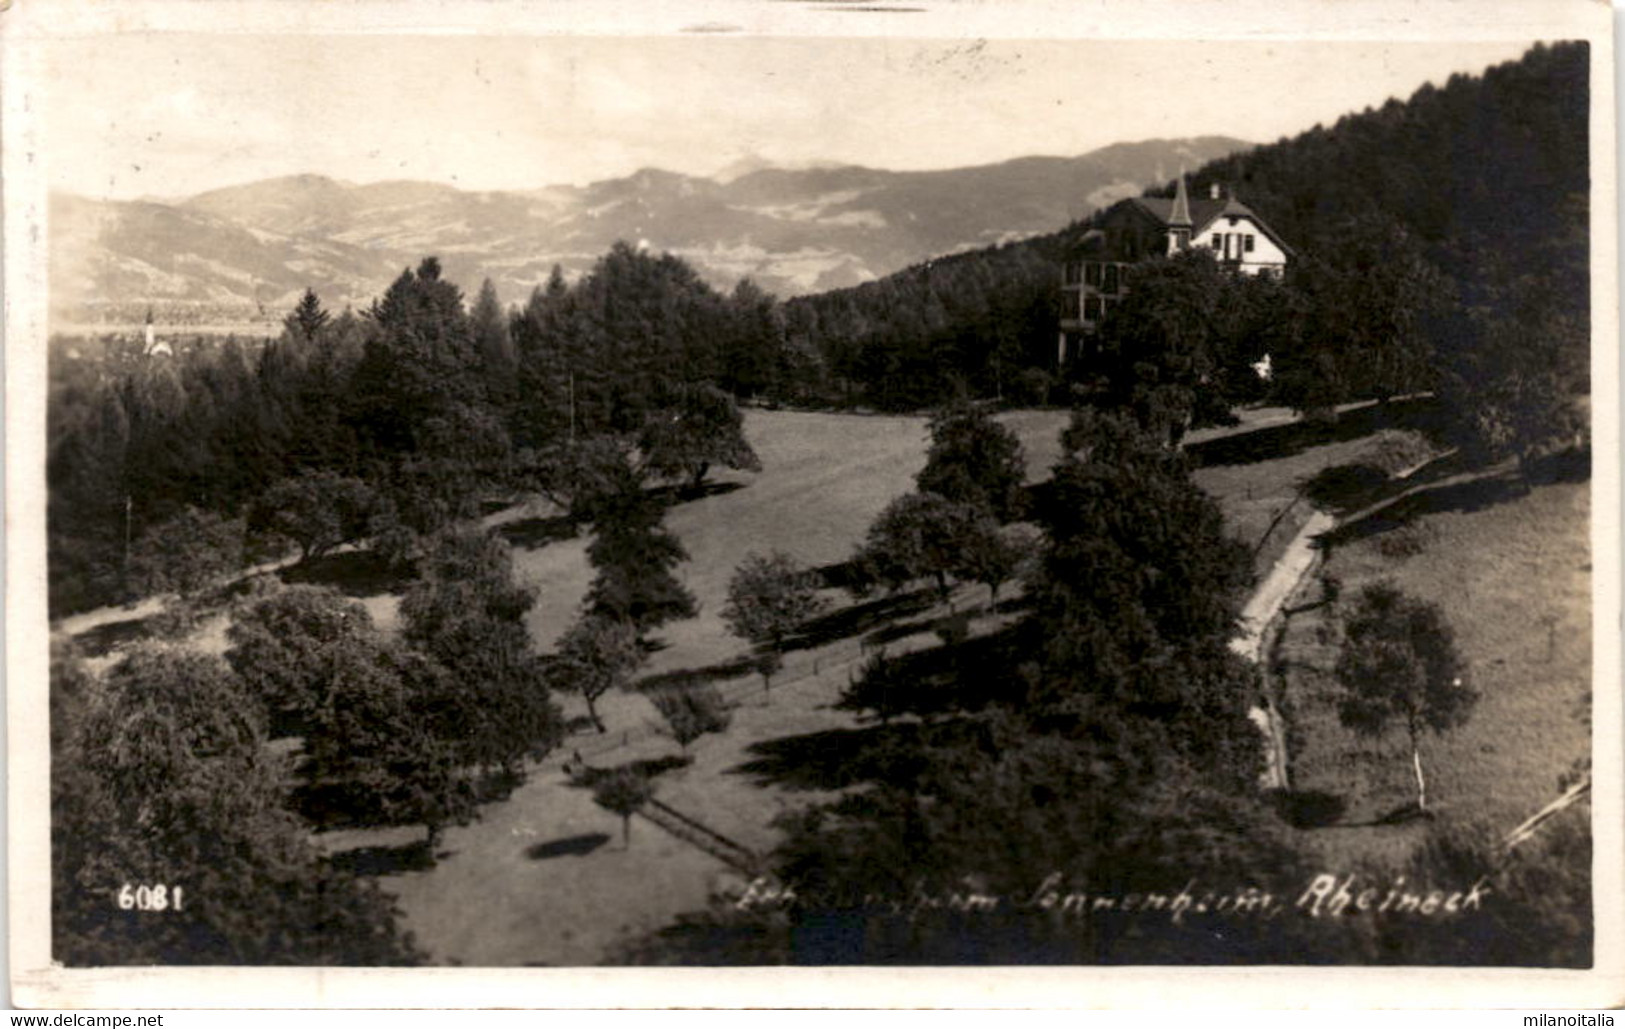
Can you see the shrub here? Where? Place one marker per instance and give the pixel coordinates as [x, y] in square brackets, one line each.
[1406, 541]
[692, 712]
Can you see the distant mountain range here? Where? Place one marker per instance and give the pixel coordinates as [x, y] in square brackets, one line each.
[244, 253]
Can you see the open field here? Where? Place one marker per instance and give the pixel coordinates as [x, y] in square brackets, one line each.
[487, 900]
[1511, 572]
[490, 899]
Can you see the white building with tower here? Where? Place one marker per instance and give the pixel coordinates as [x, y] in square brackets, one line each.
[1133, 230]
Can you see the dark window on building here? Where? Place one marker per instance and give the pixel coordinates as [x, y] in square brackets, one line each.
[1248, 245]
[1108, 283]
[1071, 274]
[1218, 240]
[1093, 309]
[1091, 274]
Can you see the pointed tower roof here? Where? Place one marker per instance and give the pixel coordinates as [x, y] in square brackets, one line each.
[1180, 216]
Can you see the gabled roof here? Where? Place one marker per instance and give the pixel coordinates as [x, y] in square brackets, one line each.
[1204, 213]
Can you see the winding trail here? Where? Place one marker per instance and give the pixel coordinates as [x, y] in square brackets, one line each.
[1260, 612]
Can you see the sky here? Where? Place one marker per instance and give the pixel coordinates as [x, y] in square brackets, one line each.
[173, 115]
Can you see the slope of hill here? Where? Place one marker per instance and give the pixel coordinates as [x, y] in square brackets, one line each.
[793, 230]
[1486, 176]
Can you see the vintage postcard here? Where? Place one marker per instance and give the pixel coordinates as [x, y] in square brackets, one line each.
[808, 503]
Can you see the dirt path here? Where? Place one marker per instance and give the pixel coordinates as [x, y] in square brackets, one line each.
[1264, 607]
[1261, 609]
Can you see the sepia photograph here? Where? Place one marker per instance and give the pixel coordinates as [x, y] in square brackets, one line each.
[807, 485]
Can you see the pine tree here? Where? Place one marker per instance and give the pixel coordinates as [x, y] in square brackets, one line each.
[308, 317]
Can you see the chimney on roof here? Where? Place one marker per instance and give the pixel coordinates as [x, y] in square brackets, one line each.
[1181, 216]
[1214, 191]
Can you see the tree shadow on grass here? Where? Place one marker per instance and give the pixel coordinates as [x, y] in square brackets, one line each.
[903, 630]
[671, 496]
[535, 533]
[372, 861]
[355, 573]
[1280, 441]
[860, 618]
[684, 677]
[1308, 809]
[952, 679]
[1458, 497]
[833, 759]
[567, 846]
[105, 638]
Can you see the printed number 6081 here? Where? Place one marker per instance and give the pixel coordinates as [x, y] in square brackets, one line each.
[149, 898]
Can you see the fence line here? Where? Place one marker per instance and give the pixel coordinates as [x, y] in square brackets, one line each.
[1539, 818]
[733, 854]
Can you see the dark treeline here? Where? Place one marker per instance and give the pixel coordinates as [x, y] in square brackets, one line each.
[391, 424]
[980, 324]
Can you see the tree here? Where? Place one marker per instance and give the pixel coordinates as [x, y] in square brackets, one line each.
[281, 644]
[635, 556]
[1370, 314]
[420, 405]
[489, 325]
[467, 614]
[318, 511]
[974, 460]
[596, 655]
[702, 426]
[1515, 377]
[1160, 351]
[752, 354]
[165, 794]
[308, 318]
[768, 599]
[186, 553]
[993, 555]
[371, 739]
[1136, 597]
[1399, 661]
[582, 476]
[918, 535]
[691, 712]
[999, 808]
[623, 791]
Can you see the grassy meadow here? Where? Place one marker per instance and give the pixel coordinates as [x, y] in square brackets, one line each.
[1511, 571]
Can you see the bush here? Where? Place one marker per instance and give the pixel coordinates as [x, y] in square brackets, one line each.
[1406, 541]
[1345, 487]
[692, 712]
[1396, 450]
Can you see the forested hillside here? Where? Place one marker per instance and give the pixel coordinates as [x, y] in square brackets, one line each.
[390, 425]
[1435, 222]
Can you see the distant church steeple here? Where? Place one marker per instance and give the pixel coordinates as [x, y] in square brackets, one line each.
[1179, 219]
[1181, 216]
[154, 346]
